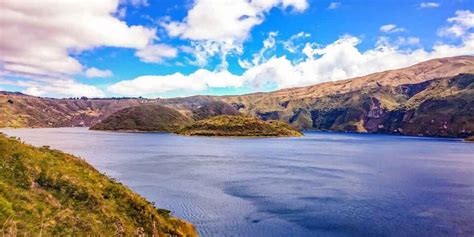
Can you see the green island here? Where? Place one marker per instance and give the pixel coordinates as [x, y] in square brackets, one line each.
[46, 192]
[242, 126]
[144, 118]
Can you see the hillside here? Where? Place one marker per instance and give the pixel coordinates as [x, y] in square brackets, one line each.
[440, 107]
[346, 105]
[282, 99]
[49, 193]
[213, 108]
[228, 125]
[147, 117]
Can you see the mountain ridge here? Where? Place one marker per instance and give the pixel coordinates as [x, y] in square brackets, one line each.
[293, 105]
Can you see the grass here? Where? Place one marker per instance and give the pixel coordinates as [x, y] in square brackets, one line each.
[228, 125]
[50, 193]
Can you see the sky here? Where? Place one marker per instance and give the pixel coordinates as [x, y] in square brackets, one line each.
[170, 48]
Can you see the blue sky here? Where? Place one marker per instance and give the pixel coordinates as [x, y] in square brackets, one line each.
[178, 48]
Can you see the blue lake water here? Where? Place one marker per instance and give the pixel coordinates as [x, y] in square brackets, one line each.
[322, 184]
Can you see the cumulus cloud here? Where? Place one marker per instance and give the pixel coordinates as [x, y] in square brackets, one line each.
[95, 72]
[220, 27]
[429, 5]
[156, 53]
[391, 28]
[55, 87]
[45, 33]
[461, 24]
[334, 5]
[197, 81]
[44, 37]
[339, 60]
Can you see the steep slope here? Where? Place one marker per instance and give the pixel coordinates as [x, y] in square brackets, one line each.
[228, 125]
[50, 193]
[147, 117]
[440, 107]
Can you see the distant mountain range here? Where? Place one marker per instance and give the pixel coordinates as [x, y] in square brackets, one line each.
[432, 98]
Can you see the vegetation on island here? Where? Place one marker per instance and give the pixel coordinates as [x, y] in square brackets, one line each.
[46, 192]
[144, 118]
[231, 125]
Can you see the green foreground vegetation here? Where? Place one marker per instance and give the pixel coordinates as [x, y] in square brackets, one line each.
[46, 192]
[227, 125]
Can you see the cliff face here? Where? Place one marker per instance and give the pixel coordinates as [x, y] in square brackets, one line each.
[440, 107]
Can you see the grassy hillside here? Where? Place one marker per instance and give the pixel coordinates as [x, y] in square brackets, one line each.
[155, 118]
[50, 193]
[213, 108]
[227, 125]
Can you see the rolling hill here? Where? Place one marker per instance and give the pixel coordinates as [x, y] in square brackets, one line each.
[145, 117]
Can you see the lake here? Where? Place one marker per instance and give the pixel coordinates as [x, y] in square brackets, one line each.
[331, 184]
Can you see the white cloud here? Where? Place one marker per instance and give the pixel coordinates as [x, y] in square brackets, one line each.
[59, 87]
[339, 60]
[156, 53]
[462, 24]
[226, 19]
[200, 80]
[45, 33]
[95, 72]
[45, 36]
[334, 5]
[407, 41]
[291, 46]
[136, 3]
[267, 49]
[34, 91]
[391, 28]
[220, 27]
[429, 5]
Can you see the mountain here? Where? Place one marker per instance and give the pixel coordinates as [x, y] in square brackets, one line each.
[281, 99]
[346, 105]
[19, 110]
[145, 117]
[231, 125]
[50, 193]
[394, 101]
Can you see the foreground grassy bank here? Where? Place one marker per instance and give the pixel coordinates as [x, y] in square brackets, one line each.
[48, 192]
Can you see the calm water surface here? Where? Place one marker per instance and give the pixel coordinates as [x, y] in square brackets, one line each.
[322, 184]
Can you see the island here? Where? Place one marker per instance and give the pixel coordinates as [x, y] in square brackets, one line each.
[144, 118]
[240, 126]
[51, 193]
